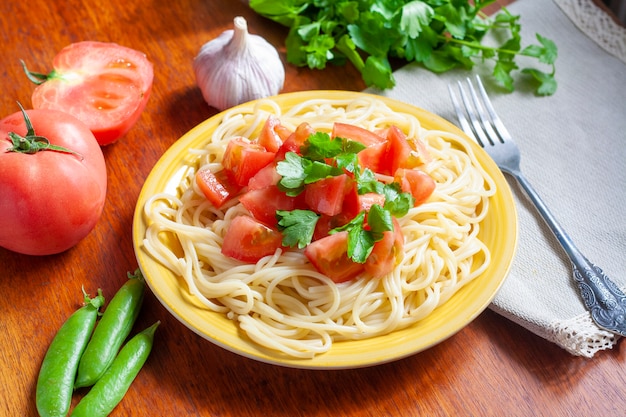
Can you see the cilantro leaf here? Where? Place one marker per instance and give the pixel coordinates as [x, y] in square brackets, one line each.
[297, 227]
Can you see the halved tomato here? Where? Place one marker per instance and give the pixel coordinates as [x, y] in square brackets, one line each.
[248, 240]
[105, 85]
[244, 159]
[417, 182]
[330, 257]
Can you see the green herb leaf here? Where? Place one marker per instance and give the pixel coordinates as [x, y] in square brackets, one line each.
[440, 34]
[297, 227]
[293, 170]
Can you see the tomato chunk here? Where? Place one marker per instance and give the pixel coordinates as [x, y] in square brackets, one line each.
[248, 240]
[215, 186]
[386, 252]
[269, 137]
[398, 150]
[327, 223]
[327, 195]
[262, 203]
[266, 177]
[417, 182]
[356, 133]
[330, 257]
[243, 159]
[374, 157]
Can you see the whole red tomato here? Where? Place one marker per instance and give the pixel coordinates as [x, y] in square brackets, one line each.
[103, 84]
[50, 199]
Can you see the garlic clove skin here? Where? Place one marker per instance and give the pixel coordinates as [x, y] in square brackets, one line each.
[237, 67]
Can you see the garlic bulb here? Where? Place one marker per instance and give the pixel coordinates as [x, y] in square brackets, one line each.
[237, 67]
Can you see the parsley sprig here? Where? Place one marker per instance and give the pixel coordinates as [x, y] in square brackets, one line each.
[323, 157]
[439, 34]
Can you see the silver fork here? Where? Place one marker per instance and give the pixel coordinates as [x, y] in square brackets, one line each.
[604, 300]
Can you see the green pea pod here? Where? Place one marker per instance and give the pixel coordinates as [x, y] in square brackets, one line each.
[112, 330]
[107, 393]
[58, 369]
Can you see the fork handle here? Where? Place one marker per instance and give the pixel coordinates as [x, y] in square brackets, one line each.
[601, 295]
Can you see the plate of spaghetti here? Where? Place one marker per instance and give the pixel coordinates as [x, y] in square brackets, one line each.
[415, 266]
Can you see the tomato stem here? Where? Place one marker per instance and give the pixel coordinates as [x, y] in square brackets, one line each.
[36, 77]
[32, 143]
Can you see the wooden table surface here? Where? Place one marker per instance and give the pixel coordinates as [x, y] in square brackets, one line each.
[490, 368]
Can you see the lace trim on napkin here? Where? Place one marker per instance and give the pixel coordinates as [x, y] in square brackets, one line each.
[596, 24]
[580, 336]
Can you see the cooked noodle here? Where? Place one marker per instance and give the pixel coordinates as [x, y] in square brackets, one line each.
[282, 302]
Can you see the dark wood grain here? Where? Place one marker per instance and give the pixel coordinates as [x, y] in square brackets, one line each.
[491, 368]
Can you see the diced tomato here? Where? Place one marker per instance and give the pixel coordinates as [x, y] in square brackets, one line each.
[262, 203]
[289, 145]
[327, 223]
[351, 203]
[330, 257]
[296, 140]
[283, 132]
[243, 159]
[385, 253]
[402, 153]
[215, 186]
[303, 131]
[269, 138]
[417, 182]
[248, 240]
[266, 177]
[367, 200]
[356, 133]
[327, 195]
[354, 203]
[374, 157]
[398, 150]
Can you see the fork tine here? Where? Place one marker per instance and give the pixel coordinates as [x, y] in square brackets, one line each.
[484, 124]
[460, 115]
[503, 133]
[471, 108]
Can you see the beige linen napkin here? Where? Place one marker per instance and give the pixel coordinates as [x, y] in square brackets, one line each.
[573, 148]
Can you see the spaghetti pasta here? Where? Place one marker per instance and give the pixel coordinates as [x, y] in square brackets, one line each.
[282, 302]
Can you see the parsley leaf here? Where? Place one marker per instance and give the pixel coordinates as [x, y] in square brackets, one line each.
[297, 171]
[440, 34]
[297, 227]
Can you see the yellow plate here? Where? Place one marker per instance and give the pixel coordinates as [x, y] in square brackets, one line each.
[498, 231]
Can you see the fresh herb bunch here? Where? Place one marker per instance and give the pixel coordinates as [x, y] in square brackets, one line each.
[440, 34]
[322, 157]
